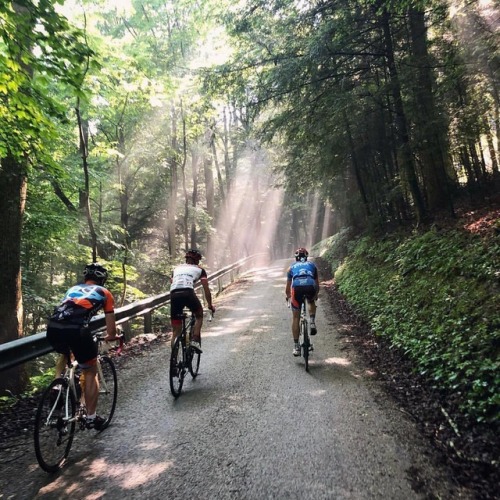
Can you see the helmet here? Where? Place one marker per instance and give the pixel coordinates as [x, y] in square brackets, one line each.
[301, 254]
[193, 254]
[95, 272]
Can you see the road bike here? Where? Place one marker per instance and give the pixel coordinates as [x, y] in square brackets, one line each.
[62, 412]
[184, 358]
[305, 335]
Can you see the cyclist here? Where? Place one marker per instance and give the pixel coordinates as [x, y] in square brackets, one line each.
[302, 284]
[182, 294]
[68, 330]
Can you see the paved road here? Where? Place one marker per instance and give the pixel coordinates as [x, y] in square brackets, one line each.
[253, 425]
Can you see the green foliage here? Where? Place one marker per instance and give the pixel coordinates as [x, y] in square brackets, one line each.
[436, 297]
[335, 248]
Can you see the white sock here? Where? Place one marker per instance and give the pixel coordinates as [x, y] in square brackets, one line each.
[91, 417]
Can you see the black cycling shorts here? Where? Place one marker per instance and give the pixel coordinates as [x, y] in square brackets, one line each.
[181, 298]
[300, 293]
[79, 340]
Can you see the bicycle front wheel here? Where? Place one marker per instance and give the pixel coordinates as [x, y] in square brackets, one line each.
[55, 425]
[177, 368]
[194, 362]
[108, 390]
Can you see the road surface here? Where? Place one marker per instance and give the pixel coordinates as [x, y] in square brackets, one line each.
[253, 425]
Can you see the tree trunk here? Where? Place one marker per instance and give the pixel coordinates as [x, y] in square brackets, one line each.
[13, 185]
[428, 126]
[174, 183]
[194, 199]
[403, 138]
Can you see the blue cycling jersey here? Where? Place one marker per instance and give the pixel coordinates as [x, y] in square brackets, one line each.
[302, 274]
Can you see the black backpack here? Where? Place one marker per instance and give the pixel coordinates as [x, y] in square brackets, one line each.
[69, 312]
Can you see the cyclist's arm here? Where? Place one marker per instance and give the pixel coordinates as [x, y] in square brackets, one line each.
[110, 326]
[288, 289]
[316, 280]
[208, 293]
[109, 315]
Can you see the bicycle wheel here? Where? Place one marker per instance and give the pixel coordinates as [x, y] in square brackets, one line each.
[305, 343]
[108, 390]
[194, 361]
[55, 425]
[177, 368]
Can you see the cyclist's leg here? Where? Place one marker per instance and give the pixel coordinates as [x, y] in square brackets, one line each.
[177, 302]
[57, 337]
[91, 389]
[85, 349]
[196, 308]
[295, 302]
[312, 309]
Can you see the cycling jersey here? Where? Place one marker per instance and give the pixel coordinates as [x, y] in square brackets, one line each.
[186, 276]
[68, 325]
[302, 274]
[303, 277]
[83, 301]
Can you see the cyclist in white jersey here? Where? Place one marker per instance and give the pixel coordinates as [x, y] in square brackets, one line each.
[182, 294]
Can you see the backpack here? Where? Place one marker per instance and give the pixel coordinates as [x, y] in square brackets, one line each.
[69, 312]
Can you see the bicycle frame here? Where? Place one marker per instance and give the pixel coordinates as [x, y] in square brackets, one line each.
[183, 357]
[62, 407]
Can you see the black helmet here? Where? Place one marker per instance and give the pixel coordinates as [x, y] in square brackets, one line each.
[95, 272]
[301, 254]
[193, 254]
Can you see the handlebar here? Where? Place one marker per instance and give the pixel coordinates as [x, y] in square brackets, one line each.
[120, 338]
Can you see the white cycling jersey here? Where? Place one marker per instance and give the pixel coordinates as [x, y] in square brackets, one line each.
[186, 276]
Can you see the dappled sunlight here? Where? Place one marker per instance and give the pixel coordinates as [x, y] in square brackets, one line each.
[130, 475]
[125, 476]
[337, 361]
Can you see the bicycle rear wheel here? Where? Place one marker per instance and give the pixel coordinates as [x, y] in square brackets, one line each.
[177, 368]
[305, 343]
[55, 425]
[108, 390]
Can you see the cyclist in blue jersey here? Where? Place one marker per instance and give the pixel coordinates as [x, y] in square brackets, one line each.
[302, 284]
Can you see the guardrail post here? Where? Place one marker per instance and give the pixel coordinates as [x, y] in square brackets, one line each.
[127, 330]
[148, 322]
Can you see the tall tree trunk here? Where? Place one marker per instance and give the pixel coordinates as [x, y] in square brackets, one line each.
[184, 186]
[194, 199]
[428, 126]
[174, 183]
[13, 185]
[209, 189]
[83, 130]
[403, 137]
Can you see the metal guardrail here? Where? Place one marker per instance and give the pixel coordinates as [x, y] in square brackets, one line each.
[28, 348]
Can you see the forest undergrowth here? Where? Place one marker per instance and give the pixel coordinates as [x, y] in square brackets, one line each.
[399, 316]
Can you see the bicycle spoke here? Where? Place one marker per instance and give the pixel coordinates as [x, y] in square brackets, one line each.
[54, 425]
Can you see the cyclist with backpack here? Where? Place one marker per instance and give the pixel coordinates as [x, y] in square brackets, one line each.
[182, 294]
[68, 330]
[302, 284]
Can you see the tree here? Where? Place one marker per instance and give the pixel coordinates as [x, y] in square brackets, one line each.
[26, 112]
